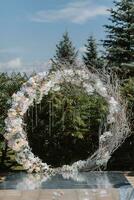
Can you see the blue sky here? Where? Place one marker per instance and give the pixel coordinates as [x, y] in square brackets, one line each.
[30, 29]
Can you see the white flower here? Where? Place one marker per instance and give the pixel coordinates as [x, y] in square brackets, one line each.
[85, 76]
[106, 156]
[100, 88]
[104, 160]
[68, 72]
[17, 144]
[12, 113]
[102, 138]
[37, 169]
[114, 106]
[27, 164]
[107, 134]
[18, 96]
[56, 88]
[41, 75]
[30, 91]
[13, 126]
[44, 166]
[32, 82]
[110, 119]
[89, 89]
[12, 131]
[31, 156]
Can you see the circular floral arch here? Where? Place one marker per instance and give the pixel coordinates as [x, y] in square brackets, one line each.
[34, 90]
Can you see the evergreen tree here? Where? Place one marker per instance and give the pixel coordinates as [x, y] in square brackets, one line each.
[65, 51]
[90, 56]
[119, 43]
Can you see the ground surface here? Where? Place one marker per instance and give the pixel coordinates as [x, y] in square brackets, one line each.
[70, 194]
[82, 194]
[130, 177]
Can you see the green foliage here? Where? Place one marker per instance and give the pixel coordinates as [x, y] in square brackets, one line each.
[65, 51]
[8, 85]
[90, 56]
[128, 93]
[128, 69]
[66, 129]
[128, 90]
[119, 41]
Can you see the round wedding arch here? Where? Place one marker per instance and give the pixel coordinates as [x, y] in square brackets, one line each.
[38, 86]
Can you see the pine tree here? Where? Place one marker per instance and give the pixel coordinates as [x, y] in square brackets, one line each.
[119, 43]
[65, 51]
[90, 56]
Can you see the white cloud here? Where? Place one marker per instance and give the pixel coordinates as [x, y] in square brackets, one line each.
[17, 65]
[77, 12]
[12, 64]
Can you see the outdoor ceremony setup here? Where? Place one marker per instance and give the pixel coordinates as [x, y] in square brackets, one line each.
[39, 85]
[40, 174]
[67, 100]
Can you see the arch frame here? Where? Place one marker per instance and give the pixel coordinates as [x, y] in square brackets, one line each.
[34, 90]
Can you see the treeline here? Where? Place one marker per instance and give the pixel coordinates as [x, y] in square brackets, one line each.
[8, 85]
[66, 140]
[118, 53]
